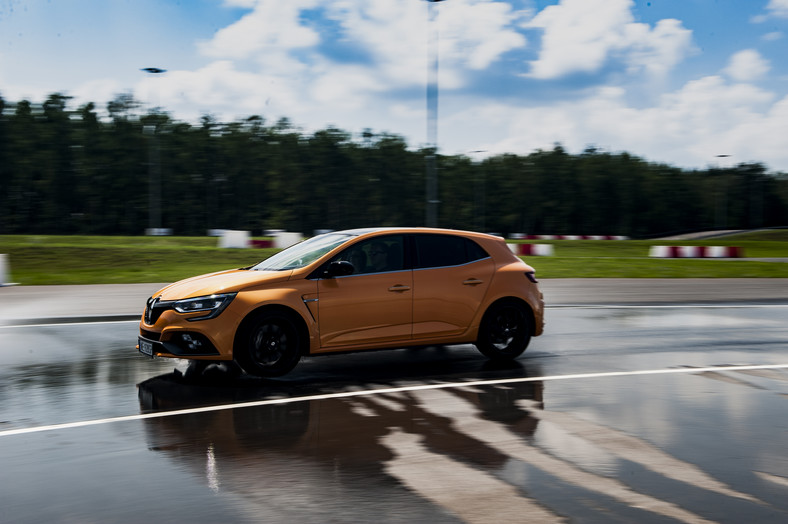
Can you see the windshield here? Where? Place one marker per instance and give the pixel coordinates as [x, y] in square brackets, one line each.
[303, 253]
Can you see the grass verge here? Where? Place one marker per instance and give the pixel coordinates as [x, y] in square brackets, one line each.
[40, 259]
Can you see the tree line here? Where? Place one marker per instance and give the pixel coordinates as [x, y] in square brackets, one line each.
[65, 171]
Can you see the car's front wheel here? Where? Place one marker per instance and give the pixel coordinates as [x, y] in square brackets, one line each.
[269, 344]
[505, 331]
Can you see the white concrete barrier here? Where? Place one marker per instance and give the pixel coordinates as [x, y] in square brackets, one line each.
[659, 252]
[158, 232]
[690, 252]
[5, 277]
[234, 239]
[718, 252]
[285, 239]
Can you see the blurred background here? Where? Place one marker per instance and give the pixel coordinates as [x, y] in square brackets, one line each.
[67, 171]
[656, 118]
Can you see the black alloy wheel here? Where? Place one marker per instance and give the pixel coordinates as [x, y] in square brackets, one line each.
[270, 345]
[505, 331]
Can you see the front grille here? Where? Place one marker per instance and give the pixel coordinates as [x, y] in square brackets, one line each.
[154, 308]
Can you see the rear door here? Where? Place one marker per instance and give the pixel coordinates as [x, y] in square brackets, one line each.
[450, 278]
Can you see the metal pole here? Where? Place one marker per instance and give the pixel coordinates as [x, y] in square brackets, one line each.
[431, 218]
[154, 172]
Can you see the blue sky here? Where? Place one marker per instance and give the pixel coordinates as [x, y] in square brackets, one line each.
[676, 81]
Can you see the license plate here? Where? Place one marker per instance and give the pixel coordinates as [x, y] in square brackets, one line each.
[146, 348]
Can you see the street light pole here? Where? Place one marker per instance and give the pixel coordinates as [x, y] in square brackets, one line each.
[154, 172]
[480, 204]
[431, 217]
[722, 203]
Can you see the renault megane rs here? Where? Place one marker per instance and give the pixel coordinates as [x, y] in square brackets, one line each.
[349, 291]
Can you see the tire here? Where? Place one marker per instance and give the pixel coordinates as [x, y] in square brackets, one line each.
[505, 331]
[269, 344]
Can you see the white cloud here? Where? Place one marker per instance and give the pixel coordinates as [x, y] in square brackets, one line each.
[778, 8]
[277, 57]
[747, 65]
[688, 127]
[347, 87]
[97, 90]
[218, 89]
[273, 27]
[580, 36]
[478, 33]
[472, 35]
[275, 62]
[392, 34]
[772, 36]
[241, 3]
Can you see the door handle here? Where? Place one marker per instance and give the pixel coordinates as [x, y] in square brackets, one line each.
[473, 282]
[399, 288]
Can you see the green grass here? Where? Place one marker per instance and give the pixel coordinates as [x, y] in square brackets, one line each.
[41, 259]
[629, 258]
[37, 260]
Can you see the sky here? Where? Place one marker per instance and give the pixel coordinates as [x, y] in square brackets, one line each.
[691, 83]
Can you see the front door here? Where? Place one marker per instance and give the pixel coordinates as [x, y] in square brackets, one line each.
[375, 303]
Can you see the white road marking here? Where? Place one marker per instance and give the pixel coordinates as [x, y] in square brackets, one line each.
[62, 324]
[381, 391]
[731, 305]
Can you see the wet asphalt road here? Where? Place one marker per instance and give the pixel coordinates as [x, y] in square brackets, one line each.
[658, 413]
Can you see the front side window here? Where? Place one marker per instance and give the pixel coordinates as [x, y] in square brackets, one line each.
[376, 255]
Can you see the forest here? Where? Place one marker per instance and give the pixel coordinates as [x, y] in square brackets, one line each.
[72, 171]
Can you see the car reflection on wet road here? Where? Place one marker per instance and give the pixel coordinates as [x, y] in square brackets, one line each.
[616, 414]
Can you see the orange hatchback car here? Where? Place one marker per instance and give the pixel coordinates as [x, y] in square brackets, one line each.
[348, 291]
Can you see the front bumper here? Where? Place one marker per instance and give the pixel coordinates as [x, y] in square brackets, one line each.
[183, 344]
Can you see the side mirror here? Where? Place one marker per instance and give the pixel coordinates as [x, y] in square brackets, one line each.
[339, 268]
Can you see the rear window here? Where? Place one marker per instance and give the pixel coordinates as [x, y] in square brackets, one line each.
[446, 250]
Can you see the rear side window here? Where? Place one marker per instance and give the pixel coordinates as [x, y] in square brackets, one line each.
[445, 251]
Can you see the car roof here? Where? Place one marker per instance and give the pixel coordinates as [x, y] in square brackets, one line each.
[372, 230]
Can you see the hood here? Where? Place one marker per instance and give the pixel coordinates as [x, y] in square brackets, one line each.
[223, 282]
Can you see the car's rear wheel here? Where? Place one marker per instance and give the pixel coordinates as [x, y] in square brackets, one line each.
[270, 344]
[505, 331]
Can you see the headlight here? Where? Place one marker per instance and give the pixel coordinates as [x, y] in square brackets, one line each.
[212, 305]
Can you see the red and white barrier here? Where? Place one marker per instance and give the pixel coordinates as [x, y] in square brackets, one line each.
[241, 239]
[532, 250]
[569, 237]
[695, 252]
